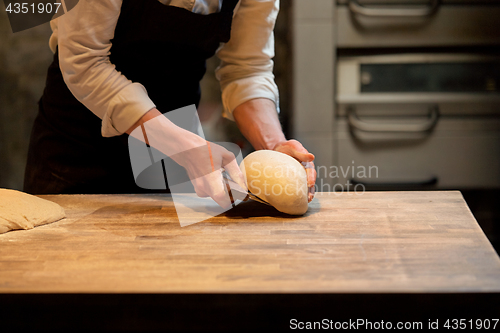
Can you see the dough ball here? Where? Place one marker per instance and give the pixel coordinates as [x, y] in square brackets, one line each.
[278, 179]
[19, 210]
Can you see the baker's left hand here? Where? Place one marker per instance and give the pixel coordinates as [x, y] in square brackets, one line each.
[297, 151]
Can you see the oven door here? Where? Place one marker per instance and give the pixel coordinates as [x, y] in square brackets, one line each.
[419, 121]
[417, 23]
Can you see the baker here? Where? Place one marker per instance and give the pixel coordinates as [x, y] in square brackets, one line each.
[120, 63]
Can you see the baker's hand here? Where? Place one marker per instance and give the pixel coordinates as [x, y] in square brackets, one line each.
[204, 165]
[297, 151]
[204, 161]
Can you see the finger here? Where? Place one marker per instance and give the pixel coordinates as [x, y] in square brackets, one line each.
[310, 172]
[312, 191]
[199, 188]
[311, 179]
[303, 157]
[296, 145]
[298, 154]
[296, 150]
[217, 189]
[211, 185]
[236, 174]
[197, 185]
[227, 156]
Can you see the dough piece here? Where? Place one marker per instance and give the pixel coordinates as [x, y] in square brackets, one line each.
[278, 179]
[19, 210]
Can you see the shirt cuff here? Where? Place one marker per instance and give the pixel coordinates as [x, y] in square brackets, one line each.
[243, 90]
[125, 109]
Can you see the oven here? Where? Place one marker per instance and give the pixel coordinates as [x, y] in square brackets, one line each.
[408, 96]
[417, 23]
[419, 120]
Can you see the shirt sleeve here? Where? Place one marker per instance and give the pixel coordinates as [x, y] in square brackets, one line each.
[246, 69]
[84, 41]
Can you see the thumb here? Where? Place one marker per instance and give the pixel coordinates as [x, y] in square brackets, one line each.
[296, 150]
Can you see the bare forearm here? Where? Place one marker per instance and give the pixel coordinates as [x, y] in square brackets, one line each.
[258, 121]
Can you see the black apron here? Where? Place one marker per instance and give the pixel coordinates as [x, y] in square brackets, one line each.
[162, 47]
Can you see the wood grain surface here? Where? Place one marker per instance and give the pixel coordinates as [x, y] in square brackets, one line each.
[374, 242]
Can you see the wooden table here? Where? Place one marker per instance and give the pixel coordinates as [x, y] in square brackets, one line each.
[382, 242]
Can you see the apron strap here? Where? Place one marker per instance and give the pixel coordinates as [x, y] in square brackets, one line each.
[226, 14]
[228, 6]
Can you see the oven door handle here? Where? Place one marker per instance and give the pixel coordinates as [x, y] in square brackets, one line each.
[428, 10]
[356, 123]
[424, 183]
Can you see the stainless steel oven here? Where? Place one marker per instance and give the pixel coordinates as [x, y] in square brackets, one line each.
[410, 87]
[424, 120]
[417, 23]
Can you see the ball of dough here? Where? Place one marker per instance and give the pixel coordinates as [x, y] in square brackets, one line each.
[19, 210]
[278, 179]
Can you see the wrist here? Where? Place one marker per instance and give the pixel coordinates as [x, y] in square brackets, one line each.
[258, 121]
[153, 113]
[162, 134]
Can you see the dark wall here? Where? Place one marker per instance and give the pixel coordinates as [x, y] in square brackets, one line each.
[24, 58]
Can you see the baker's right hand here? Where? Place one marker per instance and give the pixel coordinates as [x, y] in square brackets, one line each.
[204, 165]
[204, 161]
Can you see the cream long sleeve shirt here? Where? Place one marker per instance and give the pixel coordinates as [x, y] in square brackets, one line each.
[83, 38]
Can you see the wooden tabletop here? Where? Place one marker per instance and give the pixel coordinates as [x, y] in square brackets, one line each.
[374, 242]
